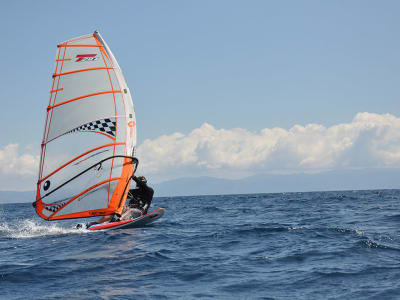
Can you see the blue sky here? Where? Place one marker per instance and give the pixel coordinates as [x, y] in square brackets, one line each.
[230, 64]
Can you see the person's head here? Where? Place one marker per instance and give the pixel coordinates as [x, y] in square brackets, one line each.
[142, 179]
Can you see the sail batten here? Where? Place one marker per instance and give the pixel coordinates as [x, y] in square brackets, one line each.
[90, 134]
[81, 97]
[63, 45]
[82, 70]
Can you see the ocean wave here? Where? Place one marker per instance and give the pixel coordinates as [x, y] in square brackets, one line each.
[371, 244]
[290, 246]
[211, 209]
[347, 230]
[30, 229]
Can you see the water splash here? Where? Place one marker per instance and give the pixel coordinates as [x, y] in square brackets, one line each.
[30, 229]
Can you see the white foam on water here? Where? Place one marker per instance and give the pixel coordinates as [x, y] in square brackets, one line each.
[359, 232]
[29, 229]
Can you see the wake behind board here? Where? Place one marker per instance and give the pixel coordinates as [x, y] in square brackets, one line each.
[137, 222]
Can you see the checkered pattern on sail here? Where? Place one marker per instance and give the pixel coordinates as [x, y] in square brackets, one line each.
[105, 126]
[55, 206]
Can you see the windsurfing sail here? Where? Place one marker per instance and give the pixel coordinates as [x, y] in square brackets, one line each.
[89, 138]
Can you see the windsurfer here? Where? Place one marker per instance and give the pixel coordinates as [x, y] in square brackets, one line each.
[139, 199]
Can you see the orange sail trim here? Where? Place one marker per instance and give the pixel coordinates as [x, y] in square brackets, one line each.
[86, 214]
[57, 90]
[47, 118]
[102, 49]
[82, 70]
[47, 125]
[105, 53]
[81, 38]
[83, 154]
[78, 45]
[118, 199]
[64, 59]
[82, 97]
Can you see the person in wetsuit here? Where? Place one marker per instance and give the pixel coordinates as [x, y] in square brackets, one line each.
[139, 199]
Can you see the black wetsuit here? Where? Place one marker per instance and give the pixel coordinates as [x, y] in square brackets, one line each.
[141, 196]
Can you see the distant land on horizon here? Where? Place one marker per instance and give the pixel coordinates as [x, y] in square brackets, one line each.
[367, 179]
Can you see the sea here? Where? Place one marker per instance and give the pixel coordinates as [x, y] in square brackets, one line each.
[316, 245]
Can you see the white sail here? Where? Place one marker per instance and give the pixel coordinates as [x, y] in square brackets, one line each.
[89, 136]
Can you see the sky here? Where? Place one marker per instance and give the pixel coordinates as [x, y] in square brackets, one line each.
[220, 88]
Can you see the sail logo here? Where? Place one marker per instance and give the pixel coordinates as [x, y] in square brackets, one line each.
[86, 57]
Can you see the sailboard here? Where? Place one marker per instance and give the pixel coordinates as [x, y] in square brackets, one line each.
[132, 223]
[89, 140]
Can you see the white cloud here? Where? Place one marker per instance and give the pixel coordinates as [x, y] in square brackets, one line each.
[370, 140]
[18, 171]
[12, 163]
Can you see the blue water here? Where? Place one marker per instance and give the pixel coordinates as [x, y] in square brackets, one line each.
[319, 245]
